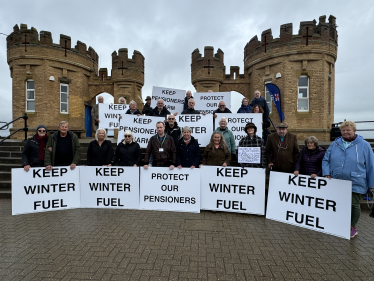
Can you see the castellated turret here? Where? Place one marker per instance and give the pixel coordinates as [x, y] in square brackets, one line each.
[309, 55]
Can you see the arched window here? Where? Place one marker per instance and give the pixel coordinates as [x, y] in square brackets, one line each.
[30, 95]
[64, 98]
[268, 99]
[303, 93]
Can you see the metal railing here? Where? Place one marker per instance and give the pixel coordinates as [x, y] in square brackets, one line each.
[335, 129]
[25, 129]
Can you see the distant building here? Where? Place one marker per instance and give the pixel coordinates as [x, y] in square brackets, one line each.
[301, 65]
[55, 82]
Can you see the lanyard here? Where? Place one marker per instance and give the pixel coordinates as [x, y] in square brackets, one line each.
[161, 143]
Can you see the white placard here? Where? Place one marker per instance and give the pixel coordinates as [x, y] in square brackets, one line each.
[319, 204]
[170, 190]
[142, 127]
[201, 126]
[237, 121]
[109, 115]
[249, 155]
[228, 189]
[173, 98]
[208, 102]
[109, 187]
[40, 190]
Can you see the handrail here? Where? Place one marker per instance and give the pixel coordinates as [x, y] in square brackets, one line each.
[7, 126]
[24, 117]
[271, 121]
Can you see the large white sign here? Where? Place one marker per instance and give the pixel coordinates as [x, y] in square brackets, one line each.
[208, 102]
[229, 189]
[109, 187]
[173, 98]
[201, 126]
[319, 204]
[170, 190]
[40, 190]
[142, 127]
[237, 121]
[109, 115]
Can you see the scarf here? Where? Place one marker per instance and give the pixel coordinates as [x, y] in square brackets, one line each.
[42, 143]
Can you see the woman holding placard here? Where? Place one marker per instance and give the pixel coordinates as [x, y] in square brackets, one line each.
[217, 153]
[33, 152]
[100, 150]
[128, 151]
[252, 140]
[351, 158]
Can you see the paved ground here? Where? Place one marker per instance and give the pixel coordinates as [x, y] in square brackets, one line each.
[97, 244]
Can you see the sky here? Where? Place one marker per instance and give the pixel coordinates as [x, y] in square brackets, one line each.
[167, 32]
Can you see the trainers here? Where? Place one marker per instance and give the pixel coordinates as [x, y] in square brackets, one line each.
[353, 232]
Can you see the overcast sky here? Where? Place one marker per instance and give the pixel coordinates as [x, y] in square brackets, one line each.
[166, 33]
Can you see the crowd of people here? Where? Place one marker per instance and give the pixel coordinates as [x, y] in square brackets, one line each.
[349, 157]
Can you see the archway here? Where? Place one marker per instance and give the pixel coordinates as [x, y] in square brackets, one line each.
[236, 101]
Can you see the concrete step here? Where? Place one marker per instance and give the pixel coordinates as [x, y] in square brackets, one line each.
[5, 176]
[11, 154]
[11, 160]
[11, 148]
[6, 185]
[9, 167]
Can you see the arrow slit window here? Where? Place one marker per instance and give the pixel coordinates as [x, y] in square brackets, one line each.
[64, 98]
[303, 94]
[30, 96]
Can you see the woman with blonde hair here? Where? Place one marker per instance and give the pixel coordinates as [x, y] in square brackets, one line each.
[100, 150]
[217, 153]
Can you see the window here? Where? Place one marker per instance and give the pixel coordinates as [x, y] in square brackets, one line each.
[64, 98]
[30, 96]
[303, 93]
[268, 99]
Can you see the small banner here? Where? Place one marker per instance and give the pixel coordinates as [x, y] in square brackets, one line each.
[173, 98]
[40, 190]
[109, 115]
[208, 102]
[163, 189]
[109, 187]
[228, 189]
[319, 204]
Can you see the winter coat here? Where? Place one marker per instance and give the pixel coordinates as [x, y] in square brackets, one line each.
[49, 157]
[164, 112]
[245, 109]
[255, 141]
[95, 112]
[355, 163]
[190, 111]
[99, 155]
[229, 138]
[226, 110]
[262, 102]
[30, 153]
[127, 154]
[216, 158]
[310, 162]
[135, 113]
[188, 155]
[147, 109]
[174, 132]
[161, 159]
[185, 104]
[283, 158]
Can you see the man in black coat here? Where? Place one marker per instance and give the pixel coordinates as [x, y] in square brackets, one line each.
[191, 108]
[160, 110]
[221, 109]
[186, 99]
[172, 129]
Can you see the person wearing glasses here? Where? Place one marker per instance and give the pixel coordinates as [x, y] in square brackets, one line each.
[221, 109]
[127, 152]
[162, 147]
[100, 150]
[173, 130]
[282, 150]
[63, 148]
[33, 151]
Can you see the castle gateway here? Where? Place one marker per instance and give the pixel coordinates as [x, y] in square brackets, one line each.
[302, 66]
[55, 82]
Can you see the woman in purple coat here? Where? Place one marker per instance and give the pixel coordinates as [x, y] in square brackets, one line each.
[310, 160]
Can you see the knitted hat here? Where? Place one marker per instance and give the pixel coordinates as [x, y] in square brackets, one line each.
[41, 126]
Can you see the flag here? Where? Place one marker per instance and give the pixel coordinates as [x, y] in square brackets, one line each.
[275, 96]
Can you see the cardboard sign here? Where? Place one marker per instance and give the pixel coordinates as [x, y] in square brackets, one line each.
[237, 121]
[142, 128]
[232, 189]
[109, 187]
[173, 98]
[319, 204]
[170, 190]
[201, 126]
[208, 102]
[109, 115]
[40, 190]
[249, 155]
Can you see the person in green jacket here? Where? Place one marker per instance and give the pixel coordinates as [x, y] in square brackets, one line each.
[229, 136]
[63, 148]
